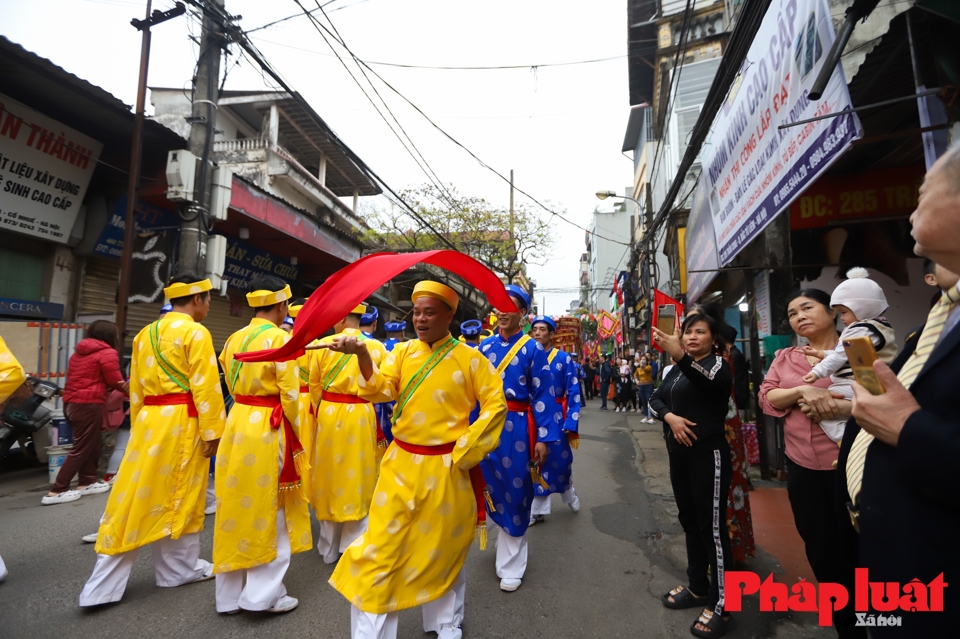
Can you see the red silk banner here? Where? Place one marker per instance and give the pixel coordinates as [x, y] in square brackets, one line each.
[660, 298]
[352, 284]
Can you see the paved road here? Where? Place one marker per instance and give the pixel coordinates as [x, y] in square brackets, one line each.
[597, 573]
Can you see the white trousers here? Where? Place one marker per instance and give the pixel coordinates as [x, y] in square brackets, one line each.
[176, 562]
[511, 556]
[259, 587]
[444, 611]
[211, 495]
[541, 503]
[3, 569]
[336, 536]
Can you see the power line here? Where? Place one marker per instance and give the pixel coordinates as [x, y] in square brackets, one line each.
[454, 140]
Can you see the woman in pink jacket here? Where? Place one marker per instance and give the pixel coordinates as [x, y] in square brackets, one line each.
[93, 369]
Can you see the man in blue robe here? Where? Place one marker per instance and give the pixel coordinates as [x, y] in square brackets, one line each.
[470, 330]
[394, 332]
[522, 365]
[565, 389]
[368, 322]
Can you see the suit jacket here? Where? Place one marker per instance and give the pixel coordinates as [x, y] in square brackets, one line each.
[910, 497]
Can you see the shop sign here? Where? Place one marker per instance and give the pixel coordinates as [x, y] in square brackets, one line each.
[834, 199]
[752, 169]
[45, 168]
[700, 245]
[147, 218]
[27, 308]
[246, 263]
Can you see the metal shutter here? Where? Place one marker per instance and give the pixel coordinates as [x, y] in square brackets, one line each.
[138, 316]
[99, 286]
[221, 324]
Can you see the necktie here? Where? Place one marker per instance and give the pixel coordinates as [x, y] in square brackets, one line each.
[928, 340]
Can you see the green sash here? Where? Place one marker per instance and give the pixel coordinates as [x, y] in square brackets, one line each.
[331, 376]
[178, 378]
[415, 381]
[235, 367]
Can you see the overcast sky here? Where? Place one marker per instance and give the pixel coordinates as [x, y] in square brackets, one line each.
[559, 128]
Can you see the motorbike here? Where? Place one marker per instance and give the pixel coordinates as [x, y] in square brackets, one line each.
[23, 416]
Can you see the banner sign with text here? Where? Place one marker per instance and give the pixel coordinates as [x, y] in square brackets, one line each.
[753, 170]
[45, 168]
[246, 263]
[836, 198]
[147, 217]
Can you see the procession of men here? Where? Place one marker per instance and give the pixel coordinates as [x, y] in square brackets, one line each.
[406, 451]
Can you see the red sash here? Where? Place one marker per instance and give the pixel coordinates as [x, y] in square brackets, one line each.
[524, 407]
[173, 399]
[343, 398]
[572, 438]
[476, 480]
[304, 390]
[289, 475]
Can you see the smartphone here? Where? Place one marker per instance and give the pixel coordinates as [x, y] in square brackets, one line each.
[667, 318]
[862, 355]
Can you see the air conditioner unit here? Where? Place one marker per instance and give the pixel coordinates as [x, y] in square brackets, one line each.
[220, 197]
[181, 169]
[216, 260]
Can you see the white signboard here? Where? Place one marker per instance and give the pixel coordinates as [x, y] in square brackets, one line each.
[753, 169]
[45, 169]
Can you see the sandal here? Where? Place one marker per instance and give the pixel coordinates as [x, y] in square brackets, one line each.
[682, 598]
[717, 625]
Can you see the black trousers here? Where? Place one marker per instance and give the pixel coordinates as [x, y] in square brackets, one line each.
[604, 389]
[813, 501]
[700, 482]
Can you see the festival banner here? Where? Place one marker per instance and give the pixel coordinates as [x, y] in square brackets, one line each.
[752, 169]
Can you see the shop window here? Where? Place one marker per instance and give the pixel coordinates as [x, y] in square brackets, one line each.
[21, 275]
[691, 88]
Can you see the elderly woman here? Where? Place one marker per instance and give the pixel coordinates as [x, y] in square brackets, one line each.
[811, 455]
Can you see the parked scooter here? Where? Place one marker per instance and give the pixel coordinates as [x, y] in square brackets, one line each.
[22, 417]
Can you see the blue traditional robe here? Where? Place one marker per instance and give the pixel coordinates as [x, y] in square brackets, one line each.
[390, 343]
[385, 411]
[565, 384]
[526, 379]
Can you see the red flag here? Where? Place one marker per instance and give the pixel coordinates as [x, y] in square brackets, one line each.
[660, 298]
[354, 283]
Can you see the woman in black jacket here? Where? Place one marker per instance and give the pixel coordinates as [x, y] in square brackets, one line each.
[692, 402]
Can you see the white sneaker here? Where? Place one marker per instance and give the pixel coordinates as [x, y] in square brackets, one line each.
[575, 504]
[62, 498]
[536, 519]
[618, 409]
[89, 539]
[509, 585]
[450, 632]
[95, 488]
[286, 604]
[210, 510]
[3, 575]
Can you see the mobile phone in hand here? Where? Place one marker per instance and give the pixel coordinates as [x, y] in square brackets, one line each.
[861, 354]
[667, 318]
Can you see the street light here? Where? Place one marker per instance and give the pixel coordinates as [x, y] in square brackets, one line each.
[602, 195]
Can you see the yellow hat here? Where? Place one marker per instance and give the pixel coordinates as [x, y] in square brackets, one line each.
[444, 293]
[257, 299]
[293, 310]
[185, 289]
[359, 310]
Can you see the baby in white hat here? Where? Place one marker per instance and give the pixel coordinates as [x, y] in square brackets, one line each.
[860, 302]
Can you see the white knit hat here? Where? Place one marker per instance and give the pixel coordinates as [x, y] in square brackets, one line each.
[860, 294]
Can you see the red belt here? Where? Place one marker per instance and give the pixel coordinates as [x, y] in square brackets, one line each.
[289, 476]
[518, 407]
[476, 475]
[304, 390]
[524, 407]
[173, 399]
[572, 438]
[342, 398]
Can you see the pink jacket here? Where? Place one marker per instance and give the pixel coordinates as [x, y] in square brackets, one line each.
[93, 367]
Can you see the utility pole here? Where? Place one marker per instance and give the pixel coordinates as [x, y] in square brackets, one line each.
[193, 228]
[126, 257]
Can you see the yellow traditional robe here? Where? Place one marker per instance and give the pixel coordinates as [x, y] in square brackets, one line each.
[308, 418]
[345, 453]
[424, 511]
[250, 457]
[161, 484]
[11, 372]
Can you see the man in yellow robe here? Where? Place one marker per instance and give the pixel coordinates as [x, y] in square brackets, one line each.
[344, 467]
[308, 413]
[177, 418]
[425, 505]
[262, 518]
[11, 378]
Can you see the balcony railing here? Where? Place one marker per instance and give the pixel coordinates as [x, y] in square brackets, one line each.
[247, 144]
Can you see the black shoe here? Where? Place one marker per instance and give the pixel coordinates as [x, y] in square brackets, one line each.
[603, 408]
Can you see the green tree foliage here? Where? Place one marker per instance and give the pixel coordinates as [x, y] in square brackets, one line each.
[473, 225]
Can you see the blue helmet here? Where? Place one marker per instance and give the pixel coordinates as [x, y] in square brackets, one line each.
[519, 293]
[370, 316]
[543, 319]
[471, 328]
[288, 320]
[394, 327]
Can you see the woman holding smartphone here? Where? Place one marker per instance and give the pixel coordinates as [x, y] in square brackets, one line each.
[692, 402]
